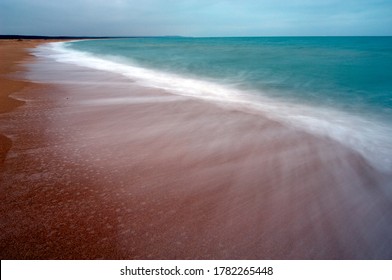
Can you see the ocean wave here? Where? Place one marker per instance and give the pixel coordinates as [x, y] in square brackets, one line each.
[370, 138]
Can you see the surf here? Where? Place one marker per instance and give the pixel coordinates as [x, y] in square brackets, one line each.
[366, 135]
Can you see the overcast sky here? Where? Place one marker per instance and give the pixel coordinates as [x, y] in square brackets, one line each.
[196, 17]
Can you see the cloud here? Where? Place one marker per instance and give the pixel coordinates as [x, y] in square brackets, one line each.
[196, 17]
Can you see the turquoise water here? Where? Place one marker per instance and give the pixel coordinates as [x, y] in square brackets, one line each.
[339, 87]
[349, 73]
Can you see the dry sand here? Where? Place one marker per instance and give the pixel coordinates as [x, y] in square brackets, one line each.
[106, 169]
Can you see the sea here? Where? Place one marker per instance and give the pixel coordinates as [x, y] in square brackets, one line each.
[334, 87]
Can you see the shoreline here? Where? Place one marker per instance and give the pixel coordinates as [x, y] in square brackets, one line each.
[105, 169]
[12, 54]
[345, 127]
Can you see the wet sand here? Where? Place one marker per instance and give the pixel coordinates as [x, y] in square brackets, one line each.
[101, 168]
[9, 85]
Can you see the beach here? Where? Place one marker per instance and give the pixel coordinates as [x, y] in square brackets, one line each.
[8, 85]
[95, 166]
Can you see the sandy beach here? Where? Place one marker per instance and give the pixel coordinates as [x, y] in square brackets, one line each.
[97, 167]
[8, 64]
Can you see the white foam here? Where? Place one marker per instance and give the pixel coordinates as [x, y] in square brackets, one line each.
[370, 138]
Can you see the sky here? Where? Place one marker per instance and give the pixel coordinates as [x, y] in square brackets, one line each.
[202, 18]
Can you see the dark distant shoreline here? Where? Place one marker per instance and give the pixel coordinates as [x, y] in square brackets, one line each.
[34, 37]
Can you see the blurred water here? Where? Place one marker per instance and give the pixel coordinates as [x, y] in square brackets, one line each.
[336, 87]
[349, 73]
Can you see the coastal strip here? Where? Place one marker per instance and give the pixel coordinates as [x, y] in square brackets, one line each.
[102, 168]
